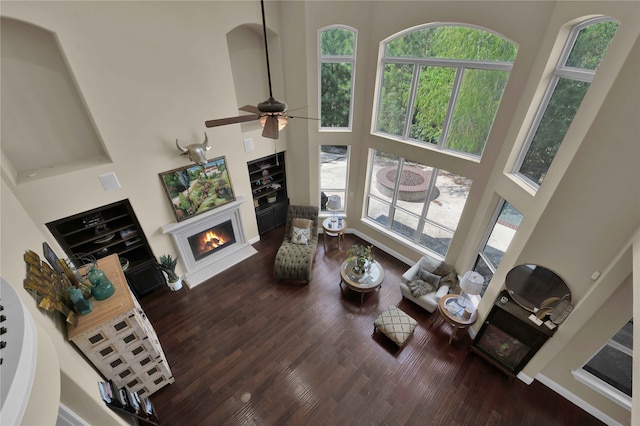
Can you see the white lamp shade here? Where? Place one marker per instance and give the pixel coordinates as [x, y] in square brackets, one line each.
[472, 282]
[334, 202]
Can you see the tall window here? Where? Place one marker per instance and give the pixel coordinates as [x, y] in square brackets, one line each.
[610, 370]
[334, 172]
[578, 63]
[442, 85]
[503, 227]
[415, 202]
[337, 65]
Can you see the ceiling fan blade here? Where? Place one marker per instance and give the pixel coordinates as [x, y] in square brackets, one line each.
[231, 120]
[306, 118]
[271, 127]
[250, 108]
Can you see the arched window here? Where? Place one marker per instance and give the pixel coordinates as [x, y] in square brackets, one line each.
[441, 85]
[578, 63]
[337, 59]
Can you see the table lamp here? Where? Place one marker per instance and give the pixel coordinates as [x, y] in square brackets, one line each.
[334, 203]
[471, 284]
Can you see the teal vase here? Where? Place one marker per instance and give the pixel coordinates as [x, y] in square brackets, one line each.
[82, 305]
[102, 287]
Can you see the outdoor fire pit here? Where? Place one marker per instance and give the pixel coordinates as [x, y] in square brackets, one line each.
[414, 183]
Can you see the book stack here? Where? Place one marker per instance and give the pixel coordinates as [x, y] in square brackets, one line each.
[122, 399]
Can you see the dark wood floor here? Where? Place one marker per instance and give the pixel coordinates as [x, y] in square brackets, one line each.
[307, 356]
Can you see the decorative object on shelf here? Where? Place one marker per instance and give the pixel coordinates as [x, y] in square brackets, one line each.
[196, 151]
[196, 189]
[82, 305]
[168, 265]
[102, 287]
[333, 204]
[48, 287]
[364, 257]
[124, 263]
[92, 219]
[471, 284]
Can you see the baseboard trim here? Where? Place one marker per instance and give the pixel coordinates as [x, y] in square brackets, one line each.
[560, 390]
[380, 246]
[66, 417]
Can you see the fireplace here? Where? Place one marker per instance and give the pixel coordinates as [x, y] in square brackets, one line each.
[210, 242]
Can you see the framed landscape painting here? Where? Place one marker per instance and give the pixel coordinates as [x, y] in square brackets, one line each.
[196, 189]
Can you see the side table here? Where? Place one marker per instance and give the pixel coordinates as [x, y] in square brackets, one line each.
[454, 314]
[333, 229]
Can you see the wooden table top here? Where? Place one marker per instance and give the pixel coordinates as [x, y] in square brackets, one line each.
[102, 310]
[456, 317]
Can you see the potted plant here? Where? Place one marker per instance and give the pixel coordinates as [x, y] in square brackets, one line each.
[363, 256]
[168, 265]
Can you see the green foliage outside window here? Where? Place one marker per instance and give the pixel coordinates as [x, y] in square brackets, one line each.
[336, 71]
[591, 45]
[555, 122]
[476, 98]
[336, 94]
[587, 52]
[337, 42]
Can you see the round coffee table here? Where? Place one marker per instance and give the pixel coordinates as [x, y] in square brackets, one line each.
[453, 314]
[364, 283]
[331, 228]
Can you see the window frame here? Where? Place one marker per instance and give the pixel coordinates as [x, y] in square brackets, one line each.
[600, 385]
[422, 219]
[480, 253]
[561, 70]
[337, 59]
[459, 65]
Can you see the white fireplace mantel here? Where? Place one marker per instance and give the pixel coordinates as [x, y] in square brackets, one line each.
[198, 271]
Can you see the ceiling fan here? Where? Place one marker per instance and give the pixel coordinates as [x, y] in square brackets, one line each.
[271, 113]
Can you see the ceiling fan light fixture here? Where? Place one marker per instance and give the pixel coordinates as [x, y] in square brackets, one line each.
[283, 120]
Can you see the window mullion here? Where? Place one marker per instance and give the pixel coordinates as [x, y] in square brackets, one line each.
[455, 90]
[425, 207]
[576, 74]
[617, 346]
[396, 190]
[415, 77]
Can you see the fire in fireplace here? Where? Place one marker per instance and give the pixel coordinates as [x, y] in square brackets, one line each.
[211, 240]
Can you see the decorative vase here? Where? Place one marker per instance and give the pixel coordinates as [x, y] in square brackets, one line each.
[82, 305]
[360, 267]
[102, 287]
[175, 286]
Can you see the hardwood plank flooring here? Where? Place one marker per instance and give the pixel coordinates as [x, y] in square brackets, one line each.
[307, 355]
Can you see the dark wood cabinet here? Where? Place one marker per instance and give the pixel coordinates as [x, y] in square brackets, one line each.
[113, 228]
[508, 339]
[269, 191]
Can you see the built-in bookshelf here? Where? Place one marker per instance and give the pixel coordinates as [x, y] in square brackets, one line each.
[269, 191]
[109, 229]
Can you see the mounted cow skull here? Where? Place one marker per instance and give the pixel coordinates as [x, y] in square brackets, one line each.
[196, 152]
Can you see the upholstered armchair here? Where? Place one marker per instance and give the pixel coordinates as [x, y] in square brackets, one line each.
[426, 282]
[294, 259]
